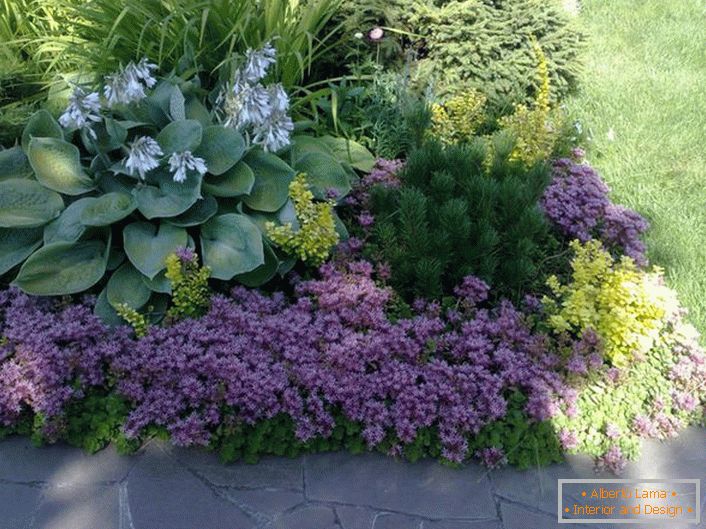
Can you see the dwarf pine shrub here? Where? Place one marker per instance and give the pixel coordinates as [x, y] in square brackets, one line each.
[457, 215]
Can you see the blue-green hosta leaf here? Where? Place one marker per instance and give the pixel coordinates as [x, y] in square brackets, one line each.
[221, 147]
[62, 268]
[237, 181]
[126, 286]
[68, 227]
[302, 145]
[106, 312]
[41, 125]
[111, 135]
[16, 245]
[158, 284]
[57, 165]
[196, 110]
[351, 152]
[168, 198]
[323, 173]
[263, 273]
[148, 247]
[197, 214]
[230, 245]
[179, 136]
[27, 204]
[14, 164]
[108, 209]
[176, 105]
[285, 215]
[272, 178]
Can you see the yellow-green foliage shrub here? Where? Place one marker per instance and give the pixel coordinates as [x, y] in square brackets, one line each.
[627, 307]
[458, 118]
[190, 293]
[139, 322]
[316, 235]
[536, 129]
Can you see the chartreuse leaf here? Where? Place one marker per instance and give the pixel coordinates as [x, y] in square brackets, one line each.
[57, 165]
[125, 286]
[27, 204]
[323, 173]
[16, 245]
[221, 148]
[41, 125]
[14, 164]
[147, 246]
[236, 181]
[68, 227]
[272, 178]
[230, 245]
[107, 209]
[179, 136]
[62, 268]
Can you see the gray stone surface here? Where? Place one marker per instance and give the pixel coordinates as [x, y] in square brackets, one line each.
[79, 506]
[18, 505]
[166, 488]
[309, 517]
[424, 488]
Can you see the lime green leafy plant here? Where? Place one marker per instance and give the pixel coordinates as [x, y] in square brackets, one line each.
[316, 235]
[625, 306]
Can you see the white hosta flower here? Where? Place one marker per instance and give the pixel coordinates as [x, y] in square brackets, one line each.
[83, 111]
[181, 162]
[274, 133]
[257, 62]
[129, 85]
[144, 156]
[279, 100]
[143, 71]
[246, 104]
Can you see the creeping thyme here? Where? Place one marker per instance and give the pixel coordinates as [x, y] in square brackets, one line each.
[316, 235]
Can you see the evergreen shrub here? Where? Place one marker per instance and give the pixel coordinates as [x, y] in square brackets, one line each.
[462, 210]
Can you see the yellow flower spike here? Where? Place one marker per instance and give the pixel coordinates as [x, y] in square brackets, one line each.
[536, 130]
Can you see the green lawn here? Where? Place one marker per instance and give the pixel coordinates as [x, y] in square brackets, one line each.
[645, 80]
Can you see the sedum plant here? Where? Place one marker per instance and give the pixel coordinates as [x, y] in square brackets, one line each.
[124, 178]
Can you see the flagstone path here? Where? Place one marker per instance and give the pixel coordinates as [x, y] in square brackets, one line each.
[163, 487]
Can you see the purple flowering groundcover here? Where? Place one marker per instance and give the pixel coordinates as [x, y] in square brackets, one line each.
[328, 367]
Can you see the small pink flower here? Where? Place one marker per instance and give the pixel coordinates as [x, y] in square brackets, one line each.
[376, 34]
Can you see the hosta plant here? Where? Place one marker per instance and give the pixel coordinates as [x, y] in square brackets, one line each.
[103, 196]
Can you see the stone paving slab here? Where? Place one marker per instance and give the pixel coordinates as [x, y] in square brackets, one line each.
[163, 487]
